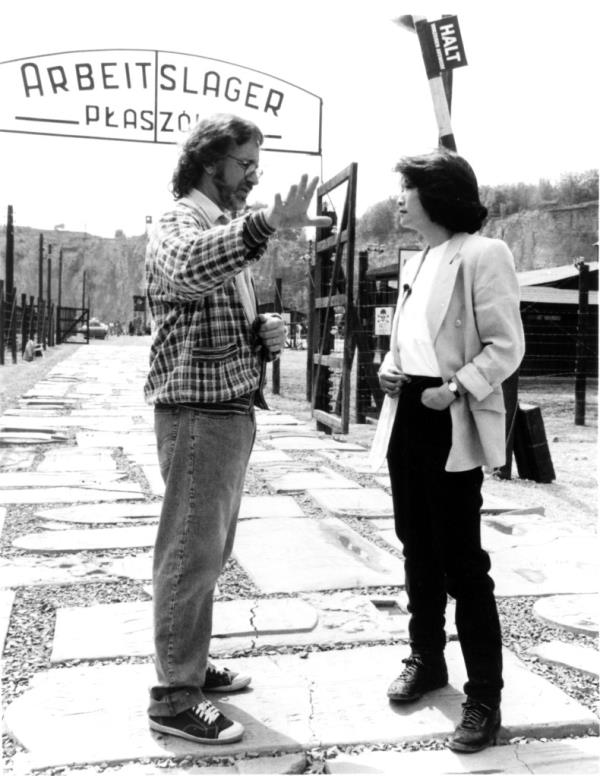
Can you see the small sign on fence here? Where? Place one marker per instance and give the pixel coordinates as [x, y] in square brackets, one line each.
[383, 321]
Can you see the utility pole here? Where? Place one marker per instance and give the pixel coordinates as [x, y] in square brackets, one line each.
[442, 51]
[580, 345]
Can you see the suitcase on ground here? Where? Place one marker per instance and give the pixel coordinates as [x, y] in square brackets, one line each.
[532, 454]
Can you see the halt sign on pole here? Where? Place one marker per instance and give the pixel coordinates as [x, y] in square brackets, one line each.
[442, 49]
[447, 43]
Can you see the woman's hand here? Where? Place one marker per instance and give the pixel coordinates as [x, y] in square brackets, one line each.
[391, 380]
[437, 398]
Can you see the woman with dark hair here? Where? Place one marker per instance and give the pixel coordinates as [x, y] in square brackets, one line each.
[456, 335]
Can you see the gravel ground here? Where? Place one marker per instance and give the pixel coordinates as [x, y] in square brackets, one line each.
[31, 627]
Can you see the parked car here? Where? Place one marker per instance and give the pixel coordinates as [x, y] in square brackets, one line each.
[97, 329]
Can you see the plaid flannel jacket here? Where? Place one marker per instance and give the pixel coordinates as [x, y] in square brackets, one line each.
[203, 349]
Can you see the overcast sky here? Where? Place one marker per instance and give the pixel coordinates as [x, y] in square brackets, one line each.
[525, 106]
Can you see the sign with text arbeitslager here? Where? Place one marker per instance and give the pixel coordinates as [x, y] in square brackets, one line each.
[151, 96]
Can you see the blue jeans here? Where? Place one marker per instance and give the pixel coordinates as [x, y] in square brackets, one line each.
[203, 460]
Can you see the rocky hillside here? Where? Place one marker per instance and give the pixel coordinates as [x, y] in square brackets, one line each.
[115, 266]
[549, 237]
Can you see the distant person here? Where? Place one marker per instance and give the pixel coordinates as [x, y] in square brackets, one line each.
[207, 366]
[456, 335]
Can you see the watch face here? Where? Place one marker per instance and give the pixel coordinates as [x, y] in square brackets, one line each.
[453, 386]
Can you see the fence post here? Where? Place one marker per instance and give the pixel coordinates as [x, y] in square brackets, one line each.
[59, 299]
[310, 330]
[363, 395]
[24, 322]
[278, 308]
[2, 313]
[580, 346]
[12, 327]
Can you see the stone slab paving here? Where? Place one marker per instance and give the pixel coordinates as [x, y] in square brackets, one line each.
[260, 457]
[274, 765]
[251, 507]
[383, 481]
[47, 389]
[297, 702]
[574, 757]
[344, 618]
[113, 439]
[103, 513]
[138, 567]
[576, 656]
[567, 565]
[77, 539]
[51, 403]
[67, 479]
[145, 456]
[366, 502]
[116, 630]
[24, 423]
[29, 572]
[311, 443]
[499, 533]
[286, 555]
[576, 613]
[132, 491]
[30, 438]
[6, 601]
[275, 469]
[358, 462]
[89, 460]
[16, 460]
[119, 630]
[498, 504]
[308, 480]
[154, 478]
[266, 418]
[269, 507]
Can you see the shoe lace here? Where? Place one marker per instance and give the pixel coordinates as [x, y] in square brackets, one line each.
[222, 674]
[412, 662]
[206, 711]
[474, 714]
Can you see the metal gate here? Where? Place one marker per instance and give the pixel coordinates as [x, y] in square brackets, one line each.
[72, 325]
[332, 309]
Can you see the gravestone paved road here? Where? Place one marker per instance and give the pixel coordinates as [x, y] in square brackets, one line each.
[321, 633]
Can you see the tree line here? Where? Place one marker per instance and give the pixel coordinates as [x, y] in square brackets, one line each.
[380, 223]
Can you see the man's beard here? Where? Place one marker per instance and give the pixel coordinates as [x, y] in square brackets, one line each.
[231, 198]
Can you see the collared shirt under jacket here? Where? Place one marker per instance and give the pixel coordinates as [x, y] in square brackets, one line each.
[203, 348]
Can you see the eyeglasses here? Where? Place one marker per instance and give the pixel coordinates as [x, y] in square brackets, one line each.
[249, 167]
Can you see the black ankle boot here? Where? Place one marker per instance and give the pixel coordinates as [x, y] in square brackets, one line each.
[478, 727]
[421, 675]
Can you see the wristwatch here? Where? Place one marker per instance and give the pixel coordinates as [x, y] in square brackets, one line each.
[453, 387]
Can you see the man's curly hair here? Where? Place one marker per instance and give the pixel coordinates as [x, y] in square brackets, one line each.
[210, 140]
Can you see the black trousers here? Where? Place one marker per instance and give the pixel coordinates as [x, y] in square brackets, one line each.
[437, 518]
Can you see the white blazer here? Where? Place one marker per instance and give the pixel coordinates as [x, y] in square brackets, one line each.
[474, 320]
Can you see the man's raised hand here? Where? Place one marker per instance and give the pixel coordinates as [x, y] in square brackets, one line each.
[292, 212]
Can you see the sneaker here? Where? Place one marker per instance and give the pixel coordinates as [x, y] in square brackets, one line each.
[203, 723]
[224, 680]
[478, 727]
[419, 676]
